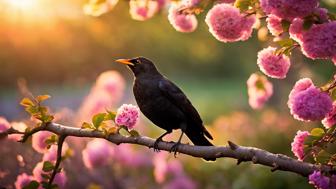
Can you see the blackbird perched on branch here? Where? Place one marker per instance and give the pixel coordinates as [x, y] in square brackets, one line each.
[162, 102]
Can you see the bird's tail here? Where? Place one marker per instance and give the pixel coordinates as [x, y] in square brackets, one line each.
[198, 138]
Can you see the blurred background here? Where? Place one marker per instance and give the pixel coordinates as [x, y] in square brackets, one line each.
[58, 50]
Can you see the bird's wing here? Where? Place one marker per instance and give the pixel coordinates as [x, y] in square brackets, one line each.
[178, 98]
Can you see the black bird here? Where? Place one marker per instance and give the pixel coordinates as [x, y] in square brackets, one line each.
[161, 101]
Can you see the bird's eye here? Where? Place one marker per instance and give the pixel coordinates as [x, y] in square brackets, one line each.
[138, 61]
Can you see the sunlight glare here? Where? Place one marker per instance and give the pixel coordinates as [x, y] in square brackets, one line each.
[22, 4]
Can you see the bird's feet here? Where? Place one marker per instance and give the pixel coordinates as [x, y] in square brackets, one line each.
[156, 145]
[174, 148]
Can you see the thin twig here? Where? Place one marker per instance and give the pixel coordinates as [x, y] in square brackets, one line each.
[61, 140]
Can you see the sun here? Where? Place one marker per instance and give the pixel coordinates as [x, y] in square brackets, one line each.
[22, 4]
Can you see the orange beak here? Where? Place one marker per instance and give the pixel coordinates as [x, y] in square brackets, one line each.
[125, 61]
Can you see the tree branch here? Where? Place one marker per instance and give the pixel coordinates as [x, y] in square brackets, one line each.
[241, 153]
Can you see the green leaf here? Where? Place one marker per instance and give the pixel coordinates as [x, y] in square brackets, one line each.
[323, 157]
[110, 115]
[86, 125]
[286, 42]
[309, 141]
[134, 133]
[42, 98]
[47, 166]
[45, 176]
[51, 140]
[32, 109]
[332, 16]
[48, 118]
[32, 185]
[243, 5]
[26, 102]
[317, 132]
[98, 119]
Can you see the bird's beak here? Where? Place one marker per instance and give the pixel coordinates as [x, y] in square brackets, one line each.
[125, 61]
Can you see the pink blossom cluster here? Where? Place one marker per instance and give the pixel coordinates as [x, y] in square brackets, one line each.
[320, 181]
[60, 178]
[97, 153]
[316, 43]
[180, 21]
[227, 24]
[143, 9]
[23, 180]
[274, 25]
[330, 119]
[272, 64]
[259, 90]
[127, 115]
[307, 103]
[164, 169]
[39, 141]
[127, 156]
[105, 94]
[289, 9]
[298, 144]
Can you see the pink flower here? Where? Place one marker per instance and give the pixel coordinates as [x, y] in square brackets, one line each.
[289, 9]
[181, 182]
[296, 29]
[97, 8]
[307, 102]
[143, 9]
[164, 168]
[38, 141]
[259, 90]
[322, 13]
[319, 181]
[162, 4]
[319, 42]
[4, 125]
[227, 24]
[274, 25]
[112, 83]
[51, 154]
[316, 43]
[97, 153]
[181, 22]
[298, 144]
[330, 119]
[105, 94]
[125, 155]
[60, 178]
[191, 3]
[19, 126]
[127, 115]
[23, 180]
[275, 66]
[160, 167]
